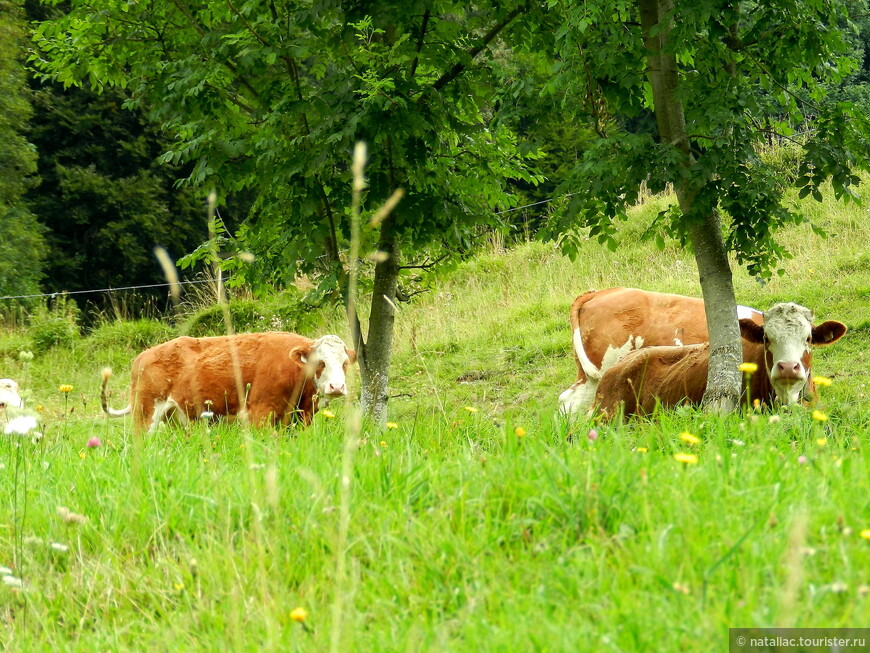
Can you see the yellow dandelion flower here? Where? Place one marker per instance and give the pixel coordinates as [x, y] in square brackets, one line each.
[40, 408]
[392, 425]
[299, 614]
[685, 436]
[471, 409]
[178, 586]
[327, 413]
[687, 458]
[866, 533]
[520, 431]
[82, 455]
[383, 444]
[819, 416]
[748, 368]
[641, 449]
[822, 380]
[65, 388]
[756, 403]
[822, 442]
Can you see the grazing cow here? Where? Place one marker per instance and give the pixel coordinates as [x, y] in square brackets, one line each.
[9, 397]
[672, 375]
[606, 324]
[282, 375]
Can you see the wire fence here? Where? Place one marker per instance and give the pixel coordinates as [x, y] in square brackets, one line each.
[167, 285]
[103, 290]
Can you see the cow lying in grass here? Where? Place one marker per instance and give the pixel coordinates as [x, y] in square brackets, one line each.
[283, 376]
[780, 348]
[606, 324]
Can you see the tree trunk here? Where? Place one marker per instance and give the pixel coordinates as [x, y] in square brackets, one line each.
[375, 364]
[723, 378]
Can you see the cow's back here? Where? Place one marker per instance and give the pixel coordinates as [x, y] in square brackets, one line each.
[669, 375]
[612, 316]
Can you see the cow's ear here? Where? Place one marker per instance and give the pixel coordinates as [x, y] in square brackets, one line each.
[828, 332]
[351, 356]
[300, 354]
[750, 331]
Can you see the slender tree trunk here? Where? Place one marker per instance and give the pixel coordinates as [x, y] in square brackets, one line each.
[723, 374]
[375, 365]
[723, 378]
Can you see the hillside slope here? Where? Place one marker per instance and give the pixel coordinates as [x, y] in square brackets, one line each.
[495, 332]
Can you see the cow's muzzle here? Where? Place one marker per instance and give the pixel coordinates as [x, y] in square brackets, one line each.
[789, 371]
[333, 390]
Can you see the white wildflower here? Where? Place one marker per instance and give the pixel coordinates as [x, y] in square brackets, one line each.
[11, 581]
[21, 425]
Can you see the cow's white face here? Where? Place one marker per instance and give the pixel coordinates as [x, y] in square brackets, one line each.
[788, 334]
[9, 397]
[787, 337]
[328, 361]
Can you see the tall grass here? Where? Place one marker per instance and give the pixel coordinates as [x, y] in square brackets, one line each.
[460, 532]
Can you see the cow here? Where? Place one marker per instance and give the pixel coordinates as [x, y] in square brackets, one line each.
[668, 375]
[283, 376]
[606, 324]
[9, 397]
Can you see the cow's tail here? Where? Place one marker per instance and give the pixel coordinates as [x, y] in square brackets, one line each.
[588, 367]
[111, 412]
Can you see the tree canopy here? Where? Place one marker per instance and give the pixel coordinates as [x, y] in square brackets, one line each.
[22, 249]
[747, 74]
[273, 98]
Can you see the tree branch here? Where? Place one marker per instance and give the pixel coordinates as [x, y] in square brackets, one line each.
[424, 266]
[403, 296]
[249, 27]
[454, 72]
[781, 86]
[419, 44]
[332, 240]
[202, 32]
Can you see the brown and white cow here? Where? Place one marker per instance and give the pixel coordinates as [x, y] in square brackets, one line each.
[606, 324]
[9, 397]
[669, 376]
[284, 376]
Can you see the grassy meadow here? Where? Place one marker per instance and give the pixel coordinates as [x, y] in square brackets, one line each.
[481, 521]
